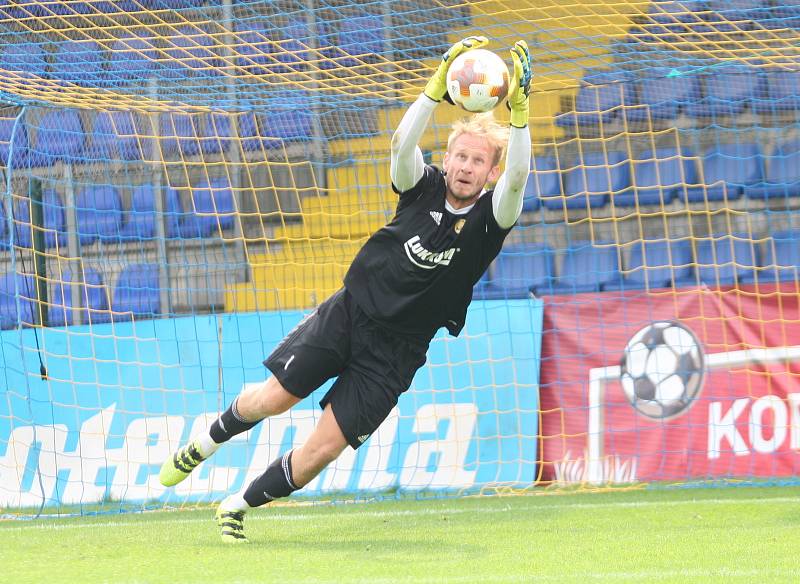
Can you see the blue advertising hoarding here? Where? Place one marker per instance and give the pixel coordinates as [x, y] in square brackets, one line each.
[120, 397]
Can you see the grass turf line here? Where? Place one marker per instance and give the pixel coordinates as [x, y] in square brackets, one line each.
[711, 535]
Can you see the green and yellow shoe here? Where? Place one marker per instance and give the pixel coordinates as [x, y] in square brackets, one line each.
[180, 464]
[231, 525]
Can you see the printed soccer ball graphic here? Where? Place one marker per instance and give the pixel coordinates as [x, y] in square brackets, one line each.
[477, 80]
[662, 369]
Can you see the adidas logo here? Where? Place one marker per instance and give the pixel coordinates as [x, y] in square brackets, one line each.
[363, 438]
[437, 216]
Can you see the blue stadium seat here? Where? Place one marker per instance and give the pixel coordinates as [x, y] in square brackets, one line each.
[248, 131]
[115, 137]
[782, 92]
[289, 118]
[518, 271]
[741, 12]
[592, 182]
[783, 15]
[24, 58]
[93, 299]
[736, 165]
[79, 62]
[543, 181]
[662, 95]
[656, 263]
[4, 235]
[59, 136]
[782, 173]
[782, 258]
[588, 268]
[727, 259]
[99, 214]
[178, 133]
[601, 93]
[13, 143]
[136, 292]
[12, 287]
[254, 47]
[291, 49]
[190, 50]
[133, 58]
[658, 177]
[727, 92]
[53, 214]
[213, 209]
[140, 220]
[215, 134]
[362, 37]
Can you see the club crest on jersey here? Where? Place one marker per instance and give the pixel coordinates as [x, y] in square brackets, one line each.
[423, 258]
[459, 225]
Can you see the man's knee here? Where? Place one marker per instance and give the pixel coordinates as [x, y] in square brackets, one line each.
[266, 399]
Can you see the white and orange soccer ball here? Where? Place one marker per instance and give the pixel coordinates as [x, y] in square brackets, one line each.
[477, 80]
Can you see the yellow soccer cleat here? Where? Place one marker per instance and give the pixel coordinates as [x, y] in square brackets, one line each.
[180, 464]
[231, 525]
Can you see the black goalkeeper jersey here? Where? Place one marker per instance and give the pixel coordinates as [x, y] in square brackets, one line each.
[416, 274]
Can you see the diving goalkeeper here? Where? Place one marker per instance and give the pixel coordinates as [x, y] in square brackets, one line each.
[410, 278]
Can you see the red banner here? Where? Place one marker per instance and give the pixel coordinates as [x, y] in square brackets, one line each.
[673, 386]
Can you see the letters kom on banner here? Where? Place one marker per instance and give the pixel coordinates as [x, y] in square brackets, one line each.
[115, 405]
[688, 384]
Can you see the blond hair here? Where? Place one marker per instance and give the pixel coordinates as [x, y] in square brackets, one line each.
[485, 126]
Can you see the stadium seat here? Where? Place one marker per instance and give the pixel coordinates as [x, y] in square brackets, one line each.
[178, 133]
[133, 59]
[93, 299]
[289, 118]
[741, 12]
[591, 183]
[291, 49]
[727, 92]
[14, 287]
[213, 209]
[136, 292]
[518, 271]
[53, 214]
[735, 165]
[24, 58]
[79, 62]
[782, 173]
[601, 93]
[657, 264]
[781, 93]
[254, 47]
[783, 15]
[13, 143]
[727, 259]
[662, 95]
[214, 134]
[4, 235]
[140, 220]
[588, 268]
[362, 37]
[543, 181]
[190, 50]
[59, 136]
[99, 214]
[782, 257]
[658, 177]
[115, 137]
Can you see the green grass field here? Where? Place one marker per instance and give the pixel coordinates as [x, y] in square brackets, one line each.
[688, 535]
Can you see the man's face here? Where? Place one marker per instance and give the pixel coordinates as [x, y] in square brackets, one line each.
[469, 165]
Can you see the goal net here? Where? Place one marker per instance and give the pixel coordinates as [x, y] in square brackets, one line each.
[186, 179]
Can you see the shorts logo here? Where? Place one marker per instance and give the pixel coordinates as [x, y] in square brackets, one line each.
[423, 258]
[289, 362]
[363, 438]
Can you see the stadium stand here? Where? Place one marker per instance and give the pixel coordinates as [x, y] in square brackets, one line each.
[656, 264]
[588, 267]
[518, 271]
[80, 62]
[54, 225]
[782, 257]
[727, 259]
[136, 293]
[728, 91]
[782, 173]
[115, 136]
[662, 95]
[657, 177]
[727, 170]
[93, 299]
[212, 209]
[781, 91]
[13, 288]
[543, 181]
[592, 181]
[600, 96]
[99, 214]
[59, 137]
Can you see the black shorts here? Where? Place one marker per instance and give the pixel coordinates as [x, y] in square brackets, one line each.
[374, 365]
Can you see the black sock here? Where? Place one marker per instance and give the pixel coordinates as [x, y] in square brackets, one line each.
[276, 482]
[229, 424]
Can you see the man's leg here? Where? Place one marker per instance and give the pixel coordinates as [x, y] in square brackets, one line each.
[247, 410]
[286, 474]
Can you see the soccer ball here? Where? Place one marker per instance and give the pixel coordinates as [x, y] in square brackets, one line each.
[477, 80]
[662, 369]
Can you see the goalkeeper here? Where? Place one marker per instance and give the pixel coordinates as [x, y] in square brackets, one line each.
[412, 277]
